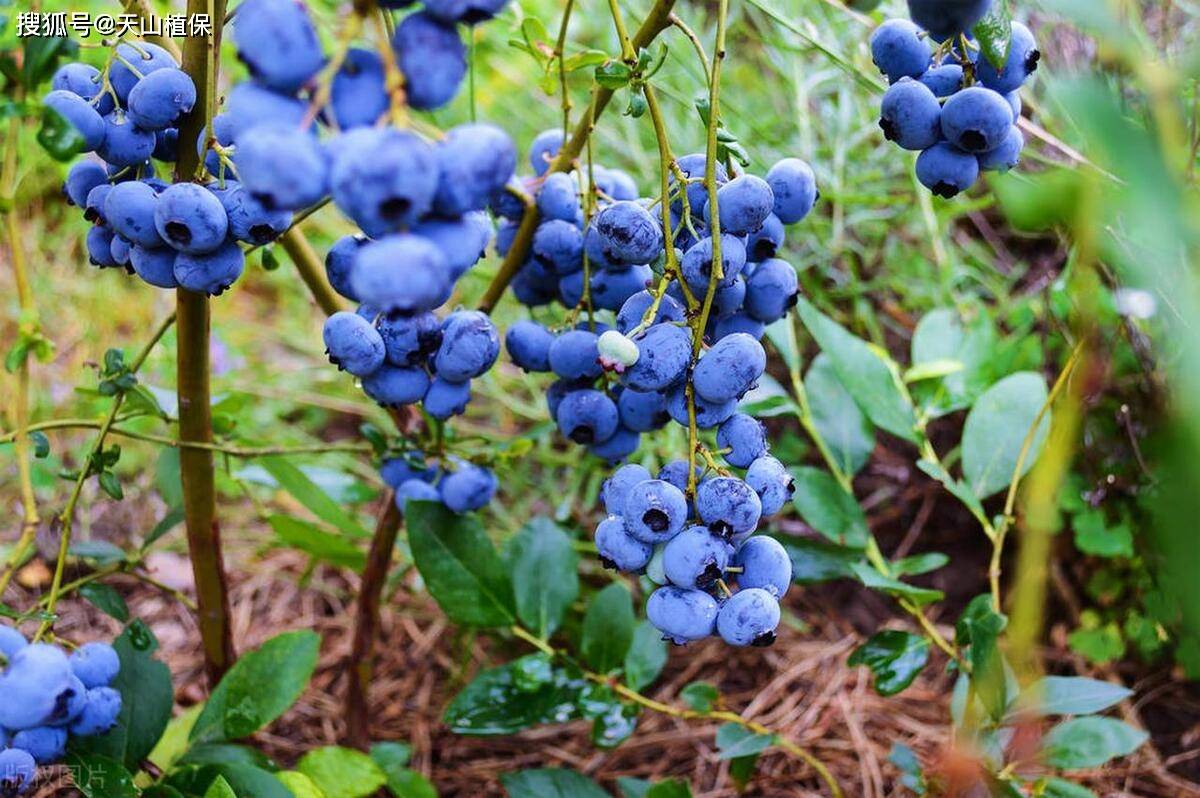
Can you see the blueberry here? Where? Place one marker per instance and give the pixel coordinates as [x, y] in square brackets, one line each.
[729, 506]
[745, 437]
[528, 344]
[728, 299]
[615, 489]
[738, 323]
[636, 307]
[339, 263]
[693, 166]
[642, 412]
[410, 340]
[745, 203]
[708, 414]
[462, 240]
[432, 57]
[38, 687]
[943, 80]
[159, 99]
[397, 470]
[212, 272]
[166, 145]
[422, 284]
[82, 177]
[222, 132]
[617, 549]
[145, 57]
[124, 145]
[544, 150]
[946, 18]
[190, 219]
[1007, 155]
[383, 178]
[12, 641]
[615, 184]
[676, 471]
[46, 744]
[695, 558]
[946, 170]
[154, 265]
[93, 209]
[468, 488]
[358, 96]
[80, 114]
[574, 355]
[415, 490]
[393, 386]
[99, 247]
[764, 242]
[445, 398]
[654, 511]
[17, 771]
[558, 246]
[794, 187]
[474, 162]
[352, 343]
[610, 289]
[772, 482]
[99, 713]
[664, 352]
[470, 345]
[765, 564]
[278, 43]
[470, 12]
[899, 51]
[620, 445]
[698, 260]
[976, 119]
[771, 290]
[730, 368]
[559, 198]
[682, 615]
[85, 81]
[95, 664]
[627, 233]
[559, 389]
[509, 202]
[749, 618]
[534, 285]
[911, 115]
[129, 209]
[249, 220]
[1014, 102]
[282, 167]
[249, 106]
[587, 416]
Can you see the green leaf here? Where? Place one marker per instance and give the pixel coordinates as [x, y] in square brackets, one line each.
[97, 776]
[838, 420]
[342, 772]
[245, 780]
[1095, 536]
[460, 566]
[700, 696]
[111, 485]
[671, 788]
[58, 136]
[550, 783]
[894, 657]
[173, 742]
[220, 789]
[41, 444]
[912, 776]
[741, 770]
[584, 59]
[894, 587]
[1089, 742]
[545, 575]
[633, 788]
[1071, 695]
[259, 688]
[310, 539]
[613, 74]
[607, 628]
[735, 741]
[945, 336]
[870, 376]
[167, 478]
[828, 509]
[1061, 788]
[920, 564]
[612, 721]
[815, 561]
[958, 490]
[979, 627]
[106, 599]
[298, 485]
[514, 696]
[401, 781]
[995, 432]
[226, 754]
[646, 656]
[1100, 644]
[147, 697]
[994, 33]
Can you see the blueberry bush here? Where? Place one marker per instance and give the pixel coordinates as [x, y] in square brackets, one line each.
[638, 342]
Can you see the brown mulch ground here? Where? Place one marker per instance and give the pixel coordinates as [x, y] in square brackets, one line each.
[800, 687]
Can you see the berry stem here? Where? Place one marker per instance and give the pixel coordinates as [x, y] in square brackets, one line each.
[560, 47]
[311, 270]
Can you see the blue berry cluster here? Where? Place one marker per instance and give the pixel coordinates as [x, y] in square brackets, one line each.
[945, 100]
[175, 235]
[49, 696]
[460, 485]
[619, 380]
[692, 548]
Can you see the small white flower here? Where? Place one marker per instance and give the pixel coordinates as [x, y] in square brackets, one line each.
[1135, 302]
[617, 352]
